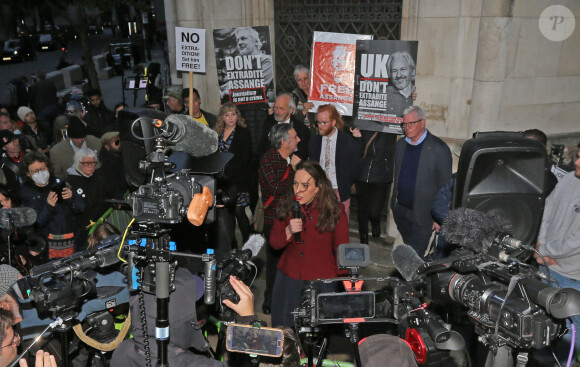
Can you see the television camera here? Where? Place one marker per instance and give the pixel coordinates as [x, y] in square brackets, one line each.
[508, 301]
[391, 303]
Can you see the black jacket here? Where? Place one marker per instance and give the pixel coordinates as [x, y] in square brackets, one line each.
[97, 119]
[377, 165]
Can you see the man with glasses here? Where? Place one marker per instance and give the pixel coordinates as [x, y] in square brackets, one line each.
[98, 116]
[401, 69]
[61, 155]
[112, 163]
[284, 108]
[337, 152]
[422, 167]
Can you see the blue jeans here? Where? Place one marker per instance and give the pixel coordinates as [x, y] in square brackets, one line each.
[562, 347]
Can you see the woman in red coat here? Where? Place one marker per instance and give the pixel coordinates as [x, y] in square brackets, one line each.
[322, 226]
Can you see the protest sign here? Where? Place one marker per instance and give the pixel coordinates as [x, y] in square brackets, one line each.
[190, 49]
[332, 70]
[384, 83]
[244, 64]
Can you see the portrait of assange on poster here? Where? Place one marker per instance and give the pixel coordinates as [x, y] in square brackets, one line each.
[332, 70]
[384, 84]
[244, 65]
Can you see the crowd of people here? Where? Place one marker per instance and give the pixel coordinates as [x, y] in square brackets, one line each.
[64, 161]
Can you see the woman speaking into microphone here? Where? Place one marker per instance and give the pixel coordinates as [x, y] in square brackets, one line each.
[310, 225]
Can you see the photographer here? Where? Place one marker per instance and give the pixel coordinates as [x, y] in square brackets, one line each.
[182, 315]
[322, 225]
[53, 201]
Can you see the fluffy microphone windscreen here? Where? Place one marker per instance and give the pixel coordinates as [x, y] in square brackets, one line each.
[254, 244]
[198, 140]
[469, 228]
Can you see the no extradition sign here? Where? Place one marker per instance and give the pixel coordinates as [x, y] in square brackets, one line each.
[190, 49]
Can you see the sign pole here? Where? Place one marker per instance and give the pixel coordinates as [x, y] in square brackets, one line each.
[190, 94]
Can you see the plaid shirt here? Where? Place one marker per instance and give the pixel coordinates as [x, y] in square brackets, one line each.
[273, 168]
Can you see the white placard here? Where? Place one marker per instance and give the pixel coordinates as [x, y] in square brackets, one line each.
[190, 49]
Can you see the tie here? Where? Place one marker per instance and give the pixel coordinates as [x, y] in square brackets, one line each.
[327, 156]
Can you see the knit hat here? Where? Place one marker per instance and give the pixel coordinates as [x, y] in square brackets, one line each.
[8, 275]
[377, 349]
[76, 128]
[108, 136]
[22, 112]
[6, 136]
[174, 95]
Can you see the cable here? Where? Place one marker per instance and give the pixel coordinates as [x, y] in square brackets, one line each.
[144, 325]
[123, 240]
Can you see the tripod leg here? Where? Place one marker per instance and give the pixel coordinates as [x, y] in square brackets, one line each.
[321, 352]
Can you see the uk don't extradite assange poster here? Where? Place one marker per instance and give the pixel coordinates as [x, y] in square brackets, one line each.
[244, 64]
[332, 70]
[384, 83]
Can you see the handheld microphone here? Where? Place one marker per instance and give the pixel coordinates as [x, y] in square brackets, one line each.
[407, 261]
[296, 213]
[209, 281]
[197, 139]
[21, 217]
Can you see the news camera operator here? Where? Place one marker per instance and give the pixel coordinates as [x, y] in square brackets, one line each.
[310, 225]
[182, 317]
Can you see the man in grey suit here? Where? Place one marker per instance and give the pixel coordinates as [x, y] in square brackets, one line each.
[422, 166]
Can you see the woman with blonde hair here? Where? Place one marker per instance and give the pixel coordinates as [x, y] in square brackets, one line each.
[234, 137]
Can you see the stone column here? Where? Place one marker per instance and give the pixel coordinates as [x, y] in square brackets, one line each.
[490, 65]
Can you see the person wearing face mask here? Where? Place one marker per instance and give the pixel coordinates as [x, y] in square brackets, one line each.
[53, 201]
[322, 225]
[87, 181]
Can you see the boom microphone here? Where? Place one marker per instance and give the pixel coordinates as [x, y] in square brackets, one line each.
[21, 217]
[296, 212]
[407, 261]
[473, 230]
[197, 139]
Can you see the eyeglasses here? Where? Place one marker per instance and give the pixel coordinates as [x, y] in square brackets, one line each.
[117, 142]
[412, 123]
[90, 163]
[322, 123]
[71, 111]
[35, 171]
[15, 341]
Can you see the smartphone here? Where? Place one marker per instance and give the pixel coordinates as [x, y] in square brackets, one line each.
[57, 188]
[340, 306]
[250, 340]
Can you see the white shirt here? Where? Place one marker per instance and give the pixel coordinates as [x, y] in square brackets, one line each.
[331, 172]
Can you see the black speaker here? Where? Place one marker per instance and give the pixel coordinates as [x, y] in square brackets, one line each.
[505, 174]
